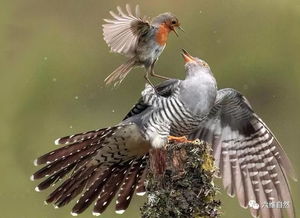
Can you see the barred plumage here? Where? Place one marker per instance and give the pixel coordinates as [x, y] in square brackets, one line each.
[172, 109]
[251, 160]
[100, 163]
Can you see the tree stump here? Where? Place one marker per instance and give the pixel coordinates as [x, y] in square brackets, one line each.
[185, 188]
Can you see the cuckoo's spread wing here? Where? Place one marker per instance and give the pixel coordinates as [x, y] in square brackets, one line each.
[252, 163]
[165, 89]
[122, 32]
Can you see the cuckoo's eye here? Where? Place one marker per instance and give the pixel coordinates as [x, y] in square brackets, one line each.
[204, 64]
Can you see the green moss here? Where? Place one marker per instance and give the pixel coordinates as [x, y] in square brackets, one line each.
[186, 189]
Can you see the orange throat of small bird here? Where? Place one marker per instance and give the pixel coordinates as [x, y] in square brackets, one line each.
[162, 34]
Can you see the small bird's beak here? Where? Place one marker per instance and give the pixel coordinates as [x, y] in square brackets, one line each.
[174, 30]
[187, 57]
[179, 27]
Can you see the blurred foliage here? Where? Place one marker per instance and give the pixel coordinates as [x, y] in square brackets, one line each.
[53, 61]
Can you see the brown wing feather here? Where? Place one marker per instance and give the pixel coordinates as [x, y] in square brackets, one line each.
[122, 32]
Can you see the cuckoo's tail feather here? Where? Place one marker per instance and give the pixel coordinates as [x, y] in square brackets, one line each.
[140, 187]
[109, 190]
[120, 73]
[129, 184]
[75, 186]
[76, 144]
[94, 164]
[111, 178]
[83, 136]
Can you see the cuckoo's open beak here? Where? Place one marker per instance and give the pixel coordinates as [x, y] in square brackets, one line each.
[187, 57]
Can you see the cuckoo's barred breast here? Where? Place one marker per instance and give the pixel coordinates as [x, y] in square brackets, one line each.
[171, 111]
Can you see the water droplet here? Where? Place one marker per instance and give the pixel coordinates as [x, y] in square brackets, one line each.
[71, 127]
[54, 80]
[76, 97]
[45, 58]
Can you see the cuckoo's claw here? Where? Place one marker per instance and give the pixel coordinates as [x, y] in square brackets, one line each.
[181, 139]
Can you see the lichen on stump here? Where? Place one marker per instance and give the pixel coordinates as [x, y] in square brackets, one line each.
[185, 188]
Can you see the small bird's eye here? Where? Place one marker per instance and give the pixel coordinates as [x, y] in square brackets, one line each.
[174, 22]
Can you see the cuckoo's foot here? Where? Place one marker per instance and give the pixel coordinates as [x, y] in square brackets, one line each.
[181, 139]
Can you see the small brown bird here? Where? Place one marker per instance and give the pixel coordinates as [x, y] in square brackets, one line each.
[139, 39]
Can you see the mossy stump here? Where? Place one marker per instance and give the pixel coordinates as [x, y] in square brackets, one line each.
[185, 188]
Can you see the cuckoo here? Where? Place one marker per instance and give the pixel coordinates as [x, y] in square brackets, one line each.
[111, 161]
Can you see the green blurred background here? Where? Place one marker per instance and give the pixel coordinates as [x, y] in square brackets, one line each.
[53, 61]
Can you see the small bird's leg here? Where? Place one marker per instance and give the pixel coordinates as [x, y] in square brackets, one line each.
[154, 74]
[148, 80]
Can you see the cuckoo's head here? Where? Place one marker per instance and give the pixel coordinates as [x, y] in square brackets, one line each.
[194, 65]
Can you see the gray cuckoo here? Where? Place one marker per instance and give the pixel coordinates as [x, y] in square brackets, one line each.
[111, 161]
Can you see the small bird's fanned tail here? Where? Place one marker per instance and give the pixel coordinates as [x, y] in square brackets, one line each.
[96, 164]
[120, 73]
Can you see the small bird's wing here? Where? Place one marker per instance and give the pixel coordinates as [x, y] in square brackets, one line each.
[251, 160]
[122, 32]
[165, 89]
